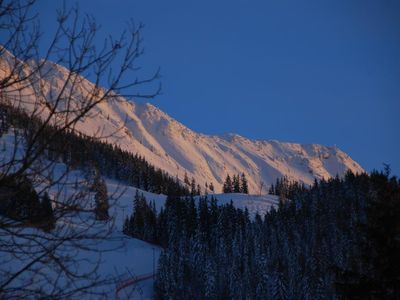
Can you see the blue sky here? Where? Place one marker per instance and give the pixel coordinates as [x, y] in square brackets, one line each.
[323, 72]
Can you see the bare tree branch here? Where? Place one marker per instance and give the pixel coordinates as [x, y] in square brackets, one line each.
[46, 263]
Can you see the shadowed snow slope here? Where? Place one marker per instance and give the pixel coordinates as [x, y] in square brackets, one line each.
[144, 129]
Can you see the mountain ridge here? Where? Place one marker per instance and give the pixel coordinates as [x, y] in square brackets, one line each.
[144, 129]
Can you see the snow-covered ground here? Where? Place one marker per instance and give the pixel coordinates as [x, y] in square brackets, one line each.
[120, 258]
[124, 258]
[103, 247]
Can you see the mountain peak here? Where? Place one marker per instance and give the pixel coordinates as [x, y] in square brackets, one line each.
[144, 129]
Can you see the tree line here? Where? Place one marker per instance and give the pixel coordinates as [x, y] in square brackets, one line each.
[287, 189]
[236, 184]
[335, 239]
[19, 199]
[79, 151]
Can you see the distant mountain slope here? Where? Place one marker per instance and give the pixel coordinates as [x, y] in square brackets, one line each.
[144, 129]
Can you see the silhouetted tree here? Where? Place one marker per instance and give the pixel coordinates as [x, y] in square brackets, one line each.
[211, 187]
[227, 188]
[244, 187]
[236, 184]
[47, 218]
[101, 199]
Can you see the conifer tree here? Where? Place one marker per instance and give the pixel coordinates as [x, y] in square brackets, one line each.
[186, 180]
[47, 215]
[137, 218]
[244, 186]
[211, 187]
[20, 201]
[198, 191]
[236, 184]
[193, 190]
[227, 188]
[101, 199]
[271, 190]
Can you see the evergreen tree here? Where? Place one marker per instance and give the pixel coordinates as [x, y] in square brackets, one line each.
[101, 199]
[236, 184]
[47, 215]
[186, 180]
[198, 191]
[143, 223]
[211, 187]
[137, 218]
[271, 190]
[244, 187]
[380, 248]
[193, 190]
[227, 188]
[19, 200]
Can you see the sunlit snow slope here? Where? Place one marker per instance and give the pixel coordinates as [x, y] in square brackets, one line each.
[144, 129]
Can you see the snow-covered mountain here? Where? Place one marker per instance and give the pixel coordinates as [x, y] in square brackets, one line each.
[144, 129]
